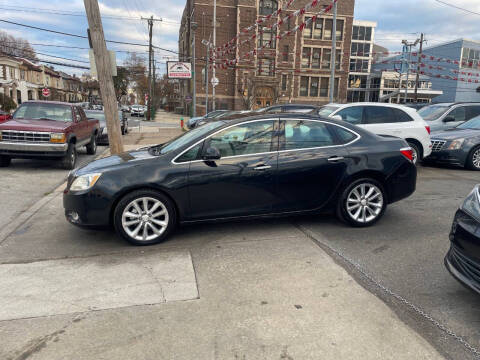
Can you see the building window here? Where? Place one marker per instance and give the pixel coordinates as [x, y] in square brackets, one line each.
[358, 65]
[285, 53]
[12, 73]
[324, 85]
[361, 49]
[326, 59]
[328, 29]
[470, 58]
[268, 39]
[362, 33]
[22, 74]
[335, 88]
[267, 7]
[316, 58]
[284, 82]
[318, 29]
[307, 32]
[357, 81]
[306, 53]
[314, 86]
[304, 86]
[266, 67]
[340, 30]
[289, 24]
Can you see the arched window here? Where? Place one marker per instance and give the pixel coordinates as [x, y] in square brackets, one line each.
[267, 7]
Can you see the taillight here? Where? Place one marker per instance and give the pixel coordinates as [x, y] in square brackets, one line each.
[408, 153]
[428, 129]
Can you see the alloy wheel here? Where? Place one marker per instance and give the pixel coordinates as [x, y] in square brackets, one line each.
[364, 203]
[145, 219]
[476, 159]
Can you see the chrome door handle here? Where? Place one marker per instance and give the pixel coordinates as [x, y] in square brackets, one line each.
[336, 158]
[262, 167]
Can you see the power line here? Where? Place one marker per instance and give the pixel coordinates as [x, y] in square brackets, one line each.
[49, 55]
[49, 62]
[457, 7]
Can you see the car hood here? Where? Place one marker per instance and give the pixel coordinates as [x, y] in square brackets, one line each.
[453, 134]
[116, 161]
[34, 125]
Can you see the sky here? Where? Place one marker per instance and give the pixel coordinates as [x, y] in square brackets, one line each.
[397, 20]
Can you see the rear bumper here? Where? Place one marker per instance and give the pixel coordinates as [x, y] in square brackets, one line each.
[32, 150]
[402, 183]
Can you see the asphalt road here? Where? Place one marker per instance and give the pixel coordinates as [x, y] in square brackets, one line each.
[405, 252]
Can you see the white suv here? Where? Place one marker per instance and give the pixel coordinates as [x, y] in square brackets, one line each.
[386, 119]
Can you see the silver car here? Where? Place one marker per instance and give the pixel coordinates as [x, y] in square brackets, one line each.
[445, 116]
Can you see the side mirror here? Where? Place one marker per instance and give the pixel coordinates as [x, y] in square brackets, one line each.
[211, 153]
[449, 119]
[337, 117]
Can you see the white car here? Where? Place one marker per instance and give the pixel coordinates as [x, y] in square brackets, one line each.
[386, 119]
[138, 110]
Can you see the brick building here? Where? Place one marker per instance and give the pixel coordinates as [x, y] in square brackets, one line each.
[295, 68]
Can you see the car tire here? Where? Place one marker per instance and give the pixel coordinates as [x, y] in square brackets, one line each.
[359, 209]
[473, 161]
[417, 155]
[5, 161]
[92, 146]
[70, 159]
[143, 227]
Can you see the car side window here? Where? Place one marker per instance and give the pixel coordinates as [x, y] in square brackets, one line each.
[304, 134]
[379, 115]
[274, 110]
[472, 111]
[244, 139]
[76, 115]
[190, 155]
[458, 114]
[344, 136]
[352, 115]
[401, 116]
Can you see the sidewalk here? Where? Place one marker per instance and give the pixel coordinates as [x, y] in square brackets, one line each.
[259, 290]
[162, 116]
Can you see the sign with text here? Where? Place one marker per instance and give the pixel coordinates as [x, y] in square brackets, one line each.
[179, 70]
[46, 92]
[93, 64]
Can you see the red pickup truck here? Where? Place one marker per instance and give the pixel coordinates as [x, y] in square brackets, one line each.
[47, 130]
[4, 116]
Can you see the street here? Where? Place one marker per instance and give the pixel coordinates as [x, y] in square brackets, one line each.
[239, 276]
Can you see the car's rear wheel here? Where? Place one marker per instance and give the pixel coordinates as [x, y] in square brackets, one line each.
[416, 152]
[70, 159]
[144, 217]
[362, 203]
[473, 161]
[5, 161]
[92, 146]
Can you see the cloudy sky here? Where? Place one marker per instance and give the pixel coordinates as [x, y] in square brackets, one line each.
[397, 20]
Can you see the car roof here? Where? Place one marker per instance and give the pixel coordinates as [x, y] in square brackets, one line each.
[49, 102]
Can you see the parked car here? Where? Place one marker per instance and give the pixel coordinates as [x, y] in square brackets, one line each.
[138, 110]
[125, 108]
[192, 122]
[243, 168]
[288, 108]
[4, 116]
[463, 258]
[102, 136]
[386, 119]
[458, 146]
[47, 130]
[448, 115]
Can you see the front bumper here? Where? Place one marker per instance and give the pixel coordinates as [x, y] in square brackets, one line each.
[32, 149]
[450, 157]
[464, 269]
[86, 209]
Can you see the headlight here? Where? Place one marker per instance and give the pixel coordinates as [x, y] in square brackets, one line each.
[456, 144]
[85, 182]
[57, 138]
[105, 131]
[472, 203]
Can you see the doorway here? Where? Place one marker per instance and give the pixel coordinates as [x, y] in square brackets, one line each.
[264, 97]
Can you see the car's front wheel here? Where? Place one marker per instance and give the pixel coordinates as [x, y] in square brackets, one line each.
[144, 217]
[473, 161]
[362, 203]
[70, 159]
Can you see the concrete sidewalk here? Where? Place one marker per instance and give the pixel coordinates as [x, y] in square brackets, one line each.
[164, 117]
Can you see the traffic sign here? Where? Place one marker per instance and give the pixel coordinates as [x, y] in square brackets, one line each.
[215, 81]
[188, 99]
[146, 97]
[46, 92]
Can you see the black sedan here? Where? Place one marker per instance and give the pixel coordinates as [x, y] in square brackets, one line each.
[458, 146]
[463, 258]
[250, 167]
[102, 137]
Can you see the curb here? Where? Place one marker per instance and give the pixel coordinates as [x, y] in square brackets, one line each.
[27, 214]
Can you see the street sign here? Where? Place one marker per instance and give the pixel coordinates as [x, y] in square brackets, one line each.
[146, 97]
[188, 99]
[179, 70]
[215, 81]
[45, 92]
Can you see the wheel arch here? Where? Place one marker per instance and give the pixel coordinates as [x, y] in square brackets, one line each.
[364, 174]
[418, 144]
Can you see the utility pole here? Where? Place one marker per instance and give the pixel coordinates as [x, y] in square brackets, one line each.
[193, 27]
[150, 21]
[208, 45]
[408, 50]
[214, 51]
[105, 79]
[154, 81]
[334, 52]
[419, 67]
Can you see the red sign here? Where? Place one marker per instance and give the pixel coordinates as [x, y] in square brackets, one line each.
[146, 97]
[46, 92]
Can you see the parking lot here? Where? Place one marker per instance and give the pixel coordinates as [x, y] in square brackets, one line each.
[403, 252]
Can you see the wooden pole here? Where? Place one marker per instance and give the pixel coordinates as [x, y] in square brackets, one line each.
[105, 79]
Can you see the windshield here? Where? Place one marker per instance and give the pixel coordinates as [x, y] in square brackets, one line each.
[327, 110]
[432, 112]
[192, 135]
[214, 114]
[44, 111]
[471, 124]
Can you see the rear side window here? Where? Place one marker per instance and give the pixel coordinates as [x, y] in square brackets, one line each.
[344, 136]
[299, 109]
[401, 116]
[353, 114]
[304, 134]
[472, 111]
[379, 115]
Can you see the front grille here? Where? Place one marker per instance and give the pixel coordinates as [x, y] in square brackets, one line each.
[25, 136]
[437, 145]
[467, 266]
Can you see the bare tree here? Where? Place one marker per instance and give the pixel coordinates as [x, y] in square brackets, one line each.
[247, 91]
[136, 67]
[18, 47]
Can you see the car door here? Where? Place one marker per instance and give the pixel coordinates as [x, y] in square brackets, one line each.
[242, 181]
[82, 131]
[455, 117]
[311, 164]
